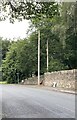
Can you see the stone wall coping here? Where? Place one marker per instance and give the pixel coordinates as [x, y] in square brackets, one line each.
[62, 71]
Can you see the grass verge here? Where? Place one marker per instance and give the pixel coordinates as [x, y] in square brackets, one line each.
[3, 82]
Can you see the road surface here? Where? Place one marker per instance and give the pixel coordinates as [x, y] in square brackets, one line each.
[19, 101]
[0, 102]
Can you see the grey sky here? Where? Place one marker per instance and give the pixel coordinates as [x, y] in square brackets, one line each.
[16, 30]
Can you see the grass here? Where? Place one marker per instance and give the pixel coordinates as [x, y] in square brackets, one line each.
[3, 82]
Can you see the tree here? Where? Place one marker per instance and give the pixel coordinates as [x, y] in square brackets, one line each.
[8, 66]
[30, 9]
[67, 32]
[5, 47]
[22, 59]
[0, 58]
[70, 34]
[60, 31]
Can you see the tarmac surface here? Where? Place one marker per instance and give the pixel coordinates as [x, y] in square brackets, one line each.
[20, 101]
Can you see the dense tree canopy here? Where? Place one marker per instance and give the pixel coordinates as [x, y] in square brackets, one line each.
[57, 24]
[5, 47]
[30, 9]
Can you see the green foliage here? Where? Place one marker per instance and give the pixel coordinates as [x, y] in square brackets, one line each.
[21, 59]
[0, 59]
[56, 65]
[58, 25]
[3, 82]
[5, 47]
[30, 9]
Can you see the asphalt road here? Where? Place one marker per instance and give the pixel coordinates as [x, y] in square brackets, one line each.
[27, 102]
[0, 102]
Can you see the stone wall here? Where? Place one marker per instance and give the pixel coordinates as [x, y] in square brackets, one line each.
[66, 79]
[62, 79]
[33, 80]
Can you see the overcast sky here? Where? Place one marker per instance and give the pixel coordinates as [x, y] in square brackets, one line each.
[16, 30]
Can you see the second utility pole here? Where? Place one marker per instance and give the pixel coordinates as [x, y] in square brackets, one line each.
[38, 57]
[47, 55]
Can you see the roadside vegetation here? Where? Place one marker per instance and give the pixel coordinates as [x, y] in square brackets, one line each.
[57, 23]
[3, 82]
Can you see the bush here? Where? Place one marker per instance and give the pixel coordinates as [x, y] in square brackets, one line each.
[56, 65]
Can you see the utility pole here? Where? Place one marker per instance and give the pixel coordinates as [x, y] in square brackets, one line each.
[47, 55]
[38, 57]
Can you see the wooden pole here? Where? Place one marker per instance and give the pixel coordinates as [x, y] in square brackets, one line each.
[47, 55]
[39, 57]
